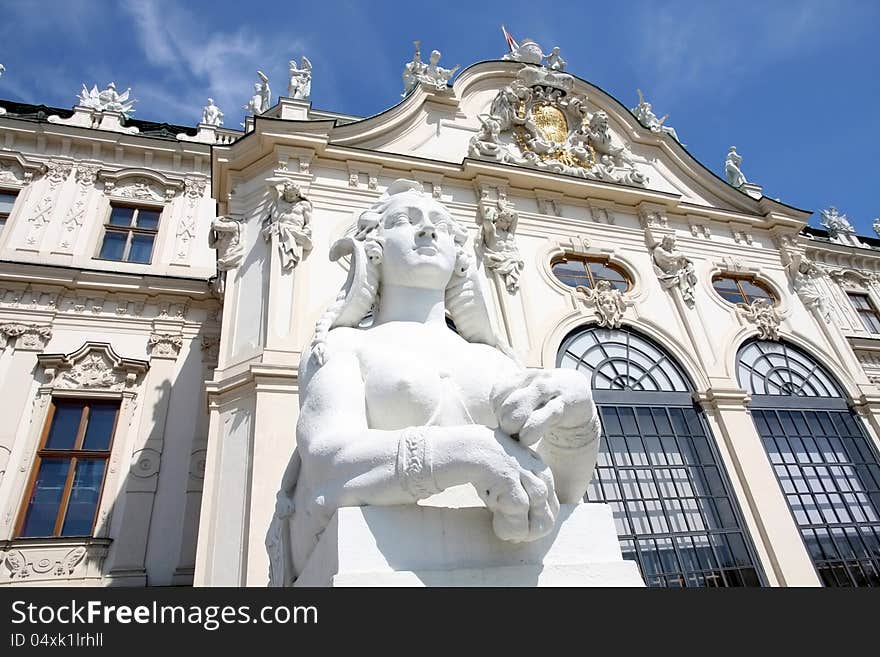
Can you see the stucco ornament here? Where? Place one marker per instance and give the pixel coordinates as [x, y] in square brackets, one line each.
[211, 114]
[734, 175]
[609, 303]
[405, 408]
[536, 121]
[645, 115]
[497, 222]
[289, 220]
[762, 313]
[108, 99]
[876, 226]
[300, 84]
[674, 269]
[432, 75]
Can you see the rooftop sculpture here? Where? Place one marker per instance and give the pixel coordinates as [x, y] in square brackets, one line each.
[432, 75]
[107, 100]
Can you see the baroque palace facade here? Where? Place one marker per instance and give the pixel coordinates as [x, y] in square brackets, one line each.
[159, 283]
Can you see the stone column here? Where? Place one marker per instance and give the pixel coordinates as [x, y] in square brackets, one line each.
[768, 517]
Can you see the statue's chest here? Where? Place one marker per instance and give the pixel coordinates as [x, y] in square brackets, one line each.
[410, 385]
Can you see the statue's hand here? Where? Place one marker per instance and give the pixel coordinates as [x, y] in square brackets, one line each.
[552, 404]
[517, 487]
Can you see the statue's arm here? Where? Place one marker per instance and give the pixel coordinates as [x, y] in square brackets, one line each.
[554, 411]
[349, 464]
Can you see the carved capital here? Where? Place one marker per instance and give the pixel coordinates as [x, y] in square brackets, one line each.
[210, 348]
[87, 174]
[57, 171]
[28, 337]
[165, 345]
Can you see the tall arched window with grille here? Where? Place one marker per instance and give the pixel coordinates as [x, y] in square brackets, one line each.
[824, 462]
[658, 467]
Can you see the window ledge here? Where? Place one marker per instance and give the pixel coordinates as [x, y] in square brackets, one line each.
[52, 559]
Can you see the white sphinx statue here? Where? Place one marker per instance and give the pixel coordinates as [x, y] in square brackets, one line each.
[399, 411]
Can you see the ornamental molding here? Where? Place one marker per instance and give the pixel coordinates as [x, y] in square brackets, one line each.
[193, 191]
[210, 348]
[165, 345]
[852, 278]
[94, 366]
[28, 337]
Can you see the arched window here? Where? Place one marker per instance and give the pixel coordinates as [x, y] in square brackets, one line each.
[658, 468]
[576, 270]
[824, 462]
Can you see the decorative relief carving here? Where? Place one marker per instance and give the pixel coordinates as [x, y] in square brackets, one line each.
[38, 562]
[94, 366]
[145, 463]
[609, 303]
[535, 122]
[193, 190]
[28, 337]
[762, 313]
[197, 461]
[38, 221]
[165, 345]
[652, 217]
[139, 189]
[497, 222]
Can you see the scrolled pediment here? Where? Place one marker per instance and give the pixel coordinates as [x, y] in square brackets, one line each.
[94, 366]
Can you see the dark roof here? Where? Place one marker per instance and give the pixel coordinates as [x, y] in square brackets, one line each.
[823, 235]
[41, 114]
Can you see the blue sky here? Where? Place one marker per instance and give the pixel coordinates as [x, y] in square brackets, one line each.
[793, 85]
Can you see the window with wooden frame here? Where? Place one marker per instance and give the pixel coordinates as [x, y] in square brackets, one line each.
[65, 487]
[7, 200]
[866, 310]
[574, 270]
[130, 233]
[741, 289]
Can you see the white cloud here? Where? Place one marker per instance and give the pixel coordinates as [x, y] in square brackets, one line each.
[185, 56]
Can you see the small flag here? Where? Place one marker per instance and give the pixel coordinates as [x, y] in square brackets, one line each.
[511, 42]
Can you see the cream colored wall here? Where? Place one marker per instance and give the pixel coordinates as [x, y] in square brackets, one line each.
[704, 339]
[162, 314]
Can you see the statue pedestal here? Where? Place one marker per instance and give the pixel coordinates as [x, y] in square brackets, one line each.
[434, 546]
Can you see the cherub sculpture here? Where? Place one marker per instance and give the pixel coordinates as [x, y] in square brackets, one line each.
[289, 220]
[398, 411]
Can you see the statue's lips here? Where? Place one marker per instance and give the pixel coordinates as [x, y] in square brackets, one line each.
[426, 250]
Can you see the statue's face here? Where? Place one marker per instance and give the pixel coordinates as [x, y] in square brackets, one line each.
[418, 247]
